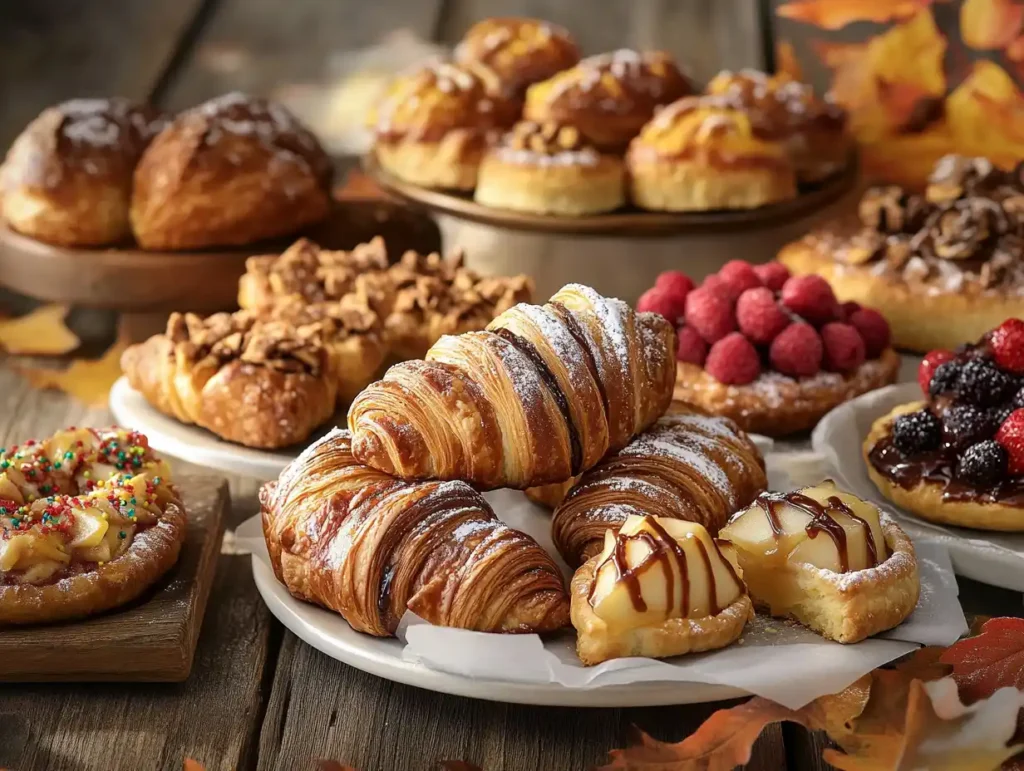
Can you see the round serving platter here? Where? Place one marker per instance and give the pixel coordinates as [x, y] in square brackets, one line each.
[628, 221]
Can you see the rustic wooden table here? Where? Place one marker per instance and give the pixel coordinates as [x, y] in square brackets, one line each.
[258, 697]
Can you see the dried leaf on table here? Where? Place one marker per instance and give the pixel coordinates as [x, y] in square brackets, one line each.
[39, 333]
[192, 765]
[787, 62]
[88, 380]
[992, 660]
[990, 24]
[836, 14]
[332, 765]
[983, 114]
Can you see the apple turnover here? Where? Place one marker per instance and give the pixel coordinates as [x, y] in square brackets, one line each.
[659, 588]
[88, 521]
[828, 559]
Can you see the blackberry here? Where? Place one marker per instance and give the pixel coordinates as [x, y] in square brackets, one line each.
[983, 464]
[982, 384]
[944, 378]
[1000, 414]
[917, 432]
[1018, 400]
[965, 424]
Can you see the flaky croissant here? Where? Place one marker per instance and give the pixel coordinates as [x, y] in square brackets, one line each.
[370, 546]
[686, 466]
[538, 397]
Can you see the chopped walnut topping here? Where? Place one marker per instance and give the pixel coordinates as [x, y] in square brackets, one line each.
[963, 229]
[956, 176]
[547, 138]
[890, 209]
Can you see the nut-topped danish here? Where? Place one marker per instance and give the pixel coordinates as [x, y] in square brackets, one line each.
[703, 153]
[828, 559]
[813, 130]
[67, 178]
[659, 588]
[943, 267]
[518, 51]
[550, 169]
[233, 170]
[608, 97]
[434, 124]
[89, 521]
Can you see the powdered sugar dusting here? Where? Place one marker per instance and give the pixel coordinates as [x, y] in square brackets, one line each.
[688, 450]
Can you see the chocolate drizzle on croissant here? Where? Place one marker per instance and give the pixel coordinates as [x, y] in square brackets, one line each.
[369, 547]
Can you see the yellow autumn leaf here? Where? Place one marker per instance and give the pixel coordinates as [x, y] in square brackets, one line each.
[39, 333]
[88, 380]
[990, 24]
[985, 114]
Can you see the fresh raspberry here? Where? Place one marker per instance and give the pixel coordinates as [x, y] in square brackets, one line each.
[674, 282]
[733, 360]
[810, 298]
[873, 328]
[844, 347]
[797, 351]
[773, 275]
[714, 283]
[1011, 436]
[739, 275]
[709, 312]
[931, 362]
[671, 306]
[1007, 343]
[847, 309]
[759, 316]
[692, 347]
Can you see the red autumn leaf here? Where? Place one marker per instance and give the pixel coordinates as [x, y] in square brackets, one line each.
[332, 765]
[836, 14]
[992, 660]
[192, 765]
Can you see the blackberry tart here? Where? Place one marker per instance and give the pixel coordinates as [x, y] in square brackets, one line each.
[957, 457]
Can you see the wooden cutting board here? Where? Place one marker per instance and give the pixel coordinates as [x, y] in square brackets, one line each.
[151, 640]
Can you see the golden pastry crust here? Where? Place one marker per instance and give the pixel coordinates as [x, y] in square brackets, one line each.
[519, 51]
[926, 499]
[67, 178]
[922, 316]
[776, 405]
[608, 97]
[434, 124]
[596, 642]
[548, 169]
[234, 170]
[702, 153]
[551, 495]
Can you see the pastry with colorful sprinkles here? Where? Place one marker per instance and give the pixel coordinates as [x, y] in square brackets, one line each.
[89, 520]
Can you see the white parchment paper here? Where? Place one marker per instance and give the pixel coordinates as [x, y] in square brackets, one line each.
[994, 558]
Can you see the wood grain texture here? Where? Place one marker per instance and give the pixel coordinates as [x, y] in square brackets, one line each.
[150, 640]
[321, 708]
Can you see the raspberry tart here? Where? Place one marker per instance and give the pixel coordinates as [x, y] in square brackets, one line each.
[957, 457]
[771, 351]
[89, 520]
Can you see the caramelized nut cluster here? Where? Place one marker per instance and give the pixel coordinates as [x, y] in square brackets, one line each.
[546, 138]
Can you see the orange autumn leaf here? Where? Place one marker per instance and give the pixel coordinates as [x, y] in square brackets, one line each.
[985, 114]
[192, 765]
[88, 380]
[992, 660]
[332, 765]
[990, 24]
[836, 14]
[786, 61]
[39, 333]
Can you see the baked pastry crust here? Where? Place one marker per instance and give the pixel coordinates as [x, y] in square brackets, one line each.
[549, 170]
[777, 405]
[926, 498]
[519, 51]
[702, 153]
[608, 97]
[234, 170]
[67, 178]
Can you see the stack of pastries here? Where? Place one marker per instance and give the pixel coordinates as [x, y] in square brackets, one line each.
[574, 394]
[103, 172]
[521, 119]
[316, 326]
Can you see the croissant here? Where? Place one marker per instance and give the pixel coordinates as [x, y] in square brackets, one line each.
[370, 546]
[538, 397]
[687, 466]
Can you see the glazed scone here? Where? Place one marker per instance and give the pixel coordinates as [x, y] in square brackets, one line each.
[828, 559]
[702, 153]
[549, 169]
[659, 588]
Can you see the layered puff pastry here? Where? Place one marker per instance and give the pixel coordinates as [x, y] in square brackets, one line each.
[518, 51]
[608, 97]
[550, 169]
[89, 520]
[67, 178]
[434, 124]
[943, 267]
[828, 559]
[538, 397]
[659, 588]
[687, 466]
[234, 170]
[703, 153]
[370, 547]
